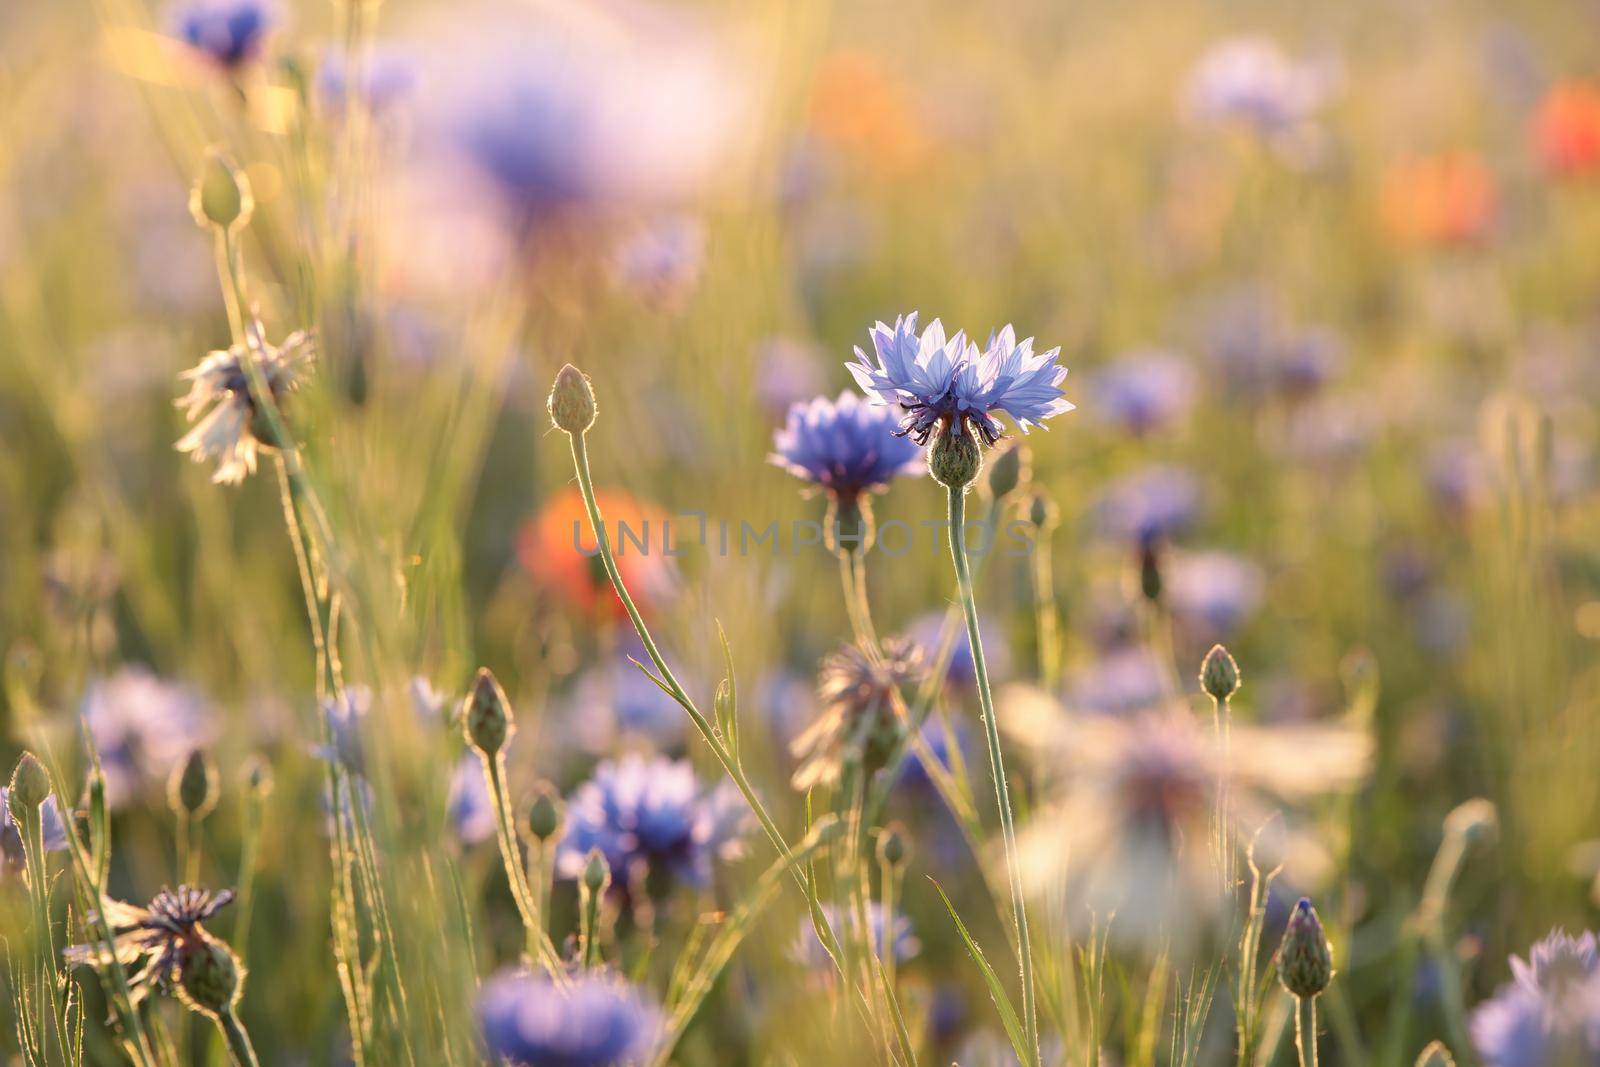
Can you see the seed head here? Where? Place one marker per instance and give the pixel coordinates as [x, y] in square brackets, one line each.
[221, 195]
[210, 977]
[955, 459]
[571, 403]
[1219, 674]
[192, 790]
[30, 785]
[487, 715]
[1305, 960]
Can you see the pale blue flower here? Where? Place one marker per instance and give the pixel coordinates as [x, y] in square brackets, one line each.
[387, 79]
[142, 726]
[846, 446]
[1216, 590]
[228, 32]
[1145, 391]
[1549, 1016]
[12, 853]
[469, 805]
[596, 1020]
[1150, 505]
[949, 382]
[887, 936]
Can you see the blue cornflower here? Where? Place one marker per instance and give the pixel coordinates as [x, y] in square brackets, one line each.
[1150, 505]
[927, 631]
[886, 936]
[142, 726]
[1550, 1014]
[1118, 682]
[12, 854]
[344, 715]
[595, 1021]
[654, 815]
[1145, 391]
[386, 79]
[949, 383]
[228, 32]
[846, 446]
[1216, 590]
[469, 805]
[615, 704]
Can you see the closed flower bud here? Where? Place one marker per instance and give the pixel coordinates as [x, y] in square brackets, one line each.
[192, 790]
[544, 814]
[30, 785]
[1008, 468]
[209, 975]
[849, 527]
[221, 195]
[955, 459]
[1150, 573]
[1042, 511]
[1472, 820]
[1219, 674]
[571, 403]
[596, 872]
[487, 716]
[893, 850]
[1305, 959]
[258, 777]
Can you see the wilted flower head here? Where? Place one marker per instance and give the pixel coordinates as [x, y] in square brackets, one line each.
[1151, 504]
[153, 937]
[596, 1020]
[1145, 391]
[1549, 1016]
[230, 428]
[1249, 82]
[13, 856]
[142, 727]
[948, 382]
[887, 936]
[230, 33]
[861, 718]
[1128, 829]
[652, 814]
[846, 446]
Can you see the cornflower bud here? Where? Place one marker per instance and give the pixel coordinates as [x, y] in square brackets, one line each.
[221, 195]
[30, 785]
[1305, 959]
[487, 715]
[571, 404]
[1219, 674]
[192, 789]
[544, 814]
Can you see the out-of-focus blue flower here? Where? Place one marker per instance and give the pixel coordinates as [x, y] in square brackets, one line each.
[1216, 590]
[344, 715]
[662, 262]
[942, 745]
[595, 1021]
[959, 672]
[386, 80]
[948, 382]
[142, 726]
[787, 371]
[615, 704]
[886, 936]
[652, 814]
[1121, 681]
[846, 446]
[1258, 350]
[469, 806]
[12, 851]
[1307, 361]
[1549, 1015]
[1249, 82]
[228, 32]
[1151, 504]
[1458, 475]
[1145, 391]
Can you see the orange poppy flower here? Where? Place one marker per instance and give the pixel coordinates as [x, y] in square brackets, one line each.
[557, 548]
[1566, 129]
[859, 109]
[1441, 199]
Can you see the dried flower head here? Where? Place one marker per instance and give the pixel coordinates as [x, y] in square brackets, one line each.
[153, 939]
[230, 428]
[861, 717]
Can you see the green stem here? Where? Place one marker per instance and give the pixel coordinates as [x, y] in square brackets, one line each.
[539, 945]
[991, 729]
[238, 1039]
[1305, 1030]
[1046, 614]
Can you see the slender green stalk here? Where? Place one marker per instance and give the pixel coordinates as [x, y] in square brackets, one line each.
[991, 729]
[1305, 1030]
[539, 946]
[238, 1039]
[1047, 615]
[1222, 724]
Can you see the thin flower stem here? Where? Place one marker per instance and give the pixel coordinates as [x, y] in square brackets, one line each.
[539, 945]
[1222, 724]
[238, 1039]
[991, 729]
[1046, 613]
[1305, 1030]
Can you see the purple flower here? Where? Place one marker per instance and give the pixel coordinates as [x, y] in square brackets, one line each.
[1121, 681]
[156, 934]
[386, 79]
[949, 382]
[12, 854]
[787, 371]
[1145, 391]
[958, 672]
[652, 814]
[1217, 590]
[1249, 82]
[1550, 1013]
[596, 1021]
[228, 32]
[344, 715]
[142, 726]
[615, 703]
[942, 745]
[846, 446]
[1149, 505]
[469, 806]
[662, 262]
[886, 936]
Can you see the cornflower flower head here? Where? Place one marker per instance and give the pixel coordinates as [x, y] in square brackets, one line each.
[13, 857]
[1145, 391]
[344, 714]
[1129, 820]
[861, 718]
[469, 806]
[651, 816]
[227, 425]
[228, 33]
[1549, 1015]
[1149, 505]
[662, 262]
[385, 81]
[959, 673]
[1249, 82]
[887, 936]
[142, 726]
[596, 1020]
[949, 383]
[1216, 591]
[155, 937]
[614, 705]
[845, 447]
[1118, 681]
